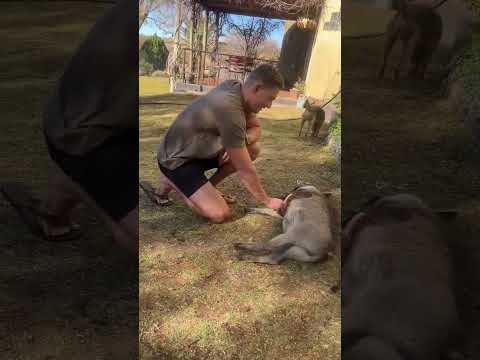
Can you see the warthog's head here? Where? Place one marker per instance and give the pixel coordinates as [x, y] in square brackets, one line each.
[397, 208]
[301, 192]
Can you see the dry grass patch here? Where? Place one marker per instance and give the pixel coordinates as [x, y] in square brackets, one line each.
[196, 300]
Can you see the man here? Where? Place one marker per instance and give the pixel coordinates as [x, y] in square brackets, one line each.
[218, 130]
[91, 130]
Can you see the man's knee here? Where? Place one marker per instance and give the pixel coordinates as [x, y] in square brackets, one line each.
[220, 215]
[254, 150]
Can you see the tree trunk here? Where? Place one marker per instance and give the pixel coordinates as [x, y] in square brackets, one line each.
[217, 32]
[174, 65]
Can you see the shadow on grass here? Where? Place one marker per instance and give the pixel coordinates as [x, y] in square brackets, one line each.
[74, 300]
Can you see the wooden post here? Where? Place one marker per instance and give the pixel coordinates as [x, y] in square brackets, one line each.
[216, 51]
[198, 58]
[176, 46]
[184, 50]
[190, 40]
[204, 47]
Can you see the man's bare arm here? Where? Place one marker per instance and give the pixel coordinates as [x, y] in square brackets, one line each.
[254, 130]
[240, 159]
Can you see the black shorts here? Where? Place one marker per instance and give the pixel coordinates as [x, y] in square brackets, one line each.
[190, 177]
[109, 174]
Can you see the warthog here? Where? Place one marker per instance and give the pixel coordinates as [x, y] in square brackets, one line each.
[307, 230]
[397, 284]
[419, 28]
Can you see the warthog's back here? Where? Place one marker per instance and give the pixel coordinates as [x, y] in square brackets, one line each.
[310, 219]
[398, 285]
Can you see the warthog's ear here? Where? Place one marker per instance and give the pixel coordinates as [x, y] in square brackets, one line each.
[372, 200]
[347, 215]
[447, 214]
[300, 194]
[295, 189]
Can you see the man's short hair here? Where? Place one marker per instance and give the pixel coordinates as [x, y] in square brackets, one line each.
[267, 75]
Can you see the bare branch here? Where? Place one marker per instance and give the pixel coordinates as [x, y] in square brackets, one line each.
[148, 9]
[252, 32]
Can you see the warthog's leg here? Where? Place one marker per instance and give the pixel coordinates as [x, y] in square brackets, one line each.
[403, 58]
[300, 254]
[274, 250]
[279, 243]
[391, 38]
[301, 126]
[272, 259]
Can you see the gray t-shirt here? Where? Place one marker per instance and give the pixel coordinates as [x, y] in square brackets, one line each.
[97, 96]
[210, 124]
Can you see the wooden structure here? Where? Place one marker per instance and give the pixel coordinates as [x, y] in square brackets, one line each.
[198, 65]
[217, 66]
[254, 8]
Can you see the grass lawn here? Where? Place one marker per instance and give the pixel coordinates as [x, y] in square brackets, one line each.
[149, 85]
[196, 300]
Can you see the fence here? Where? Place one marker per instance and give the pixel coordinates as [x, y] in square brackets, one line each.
[211, 68]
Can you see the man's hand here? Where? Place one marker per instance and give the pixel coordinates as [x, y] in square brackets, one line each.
[252, 121]
[274, 203]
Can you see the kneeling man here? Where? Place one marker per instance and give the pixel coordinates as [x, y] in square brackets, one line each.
[218, 130]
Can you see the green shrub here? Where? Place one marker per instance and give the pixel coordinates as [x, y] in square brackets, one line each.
[145, 68]
[154, 52]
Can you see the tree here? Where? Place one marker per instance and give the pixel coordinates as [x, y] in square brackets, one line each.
[269, 50]
[252, 31]
[144, 68]
[154, 52]
[217, 22]
[158, 11]
[233, 45]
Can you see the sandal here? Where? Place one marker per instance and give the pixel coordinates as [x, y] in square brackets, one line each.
[153, 196]
[28, 208]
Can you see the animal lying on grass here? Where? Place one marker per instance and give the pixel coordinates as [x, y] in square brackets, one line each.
[307, 230]
[398, 298]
